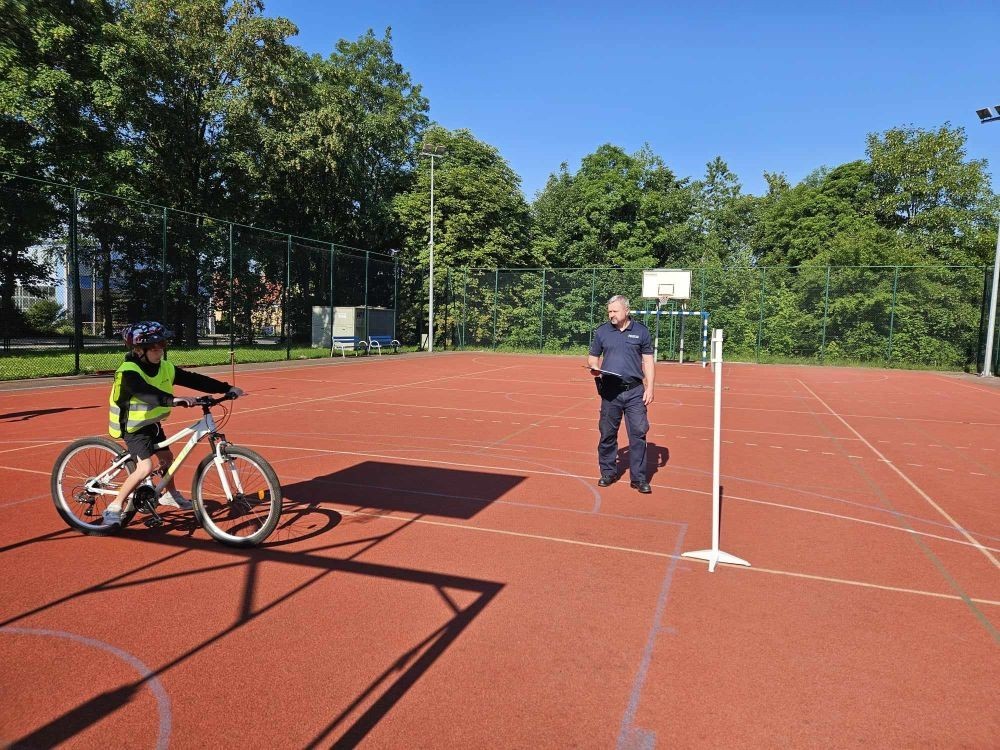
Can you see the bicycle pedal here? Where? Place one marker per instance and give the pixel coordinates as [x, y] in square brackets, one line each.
[153, 522]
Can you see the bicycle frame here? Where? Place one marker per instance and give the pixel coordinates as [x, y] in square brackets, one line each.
[204, 427]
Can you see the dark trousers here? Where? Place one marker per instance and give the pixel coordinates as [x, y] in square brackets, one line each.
[613, 406]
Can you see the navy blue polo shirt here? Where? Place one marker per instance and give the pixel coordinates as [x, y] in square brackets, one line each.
[622, 350]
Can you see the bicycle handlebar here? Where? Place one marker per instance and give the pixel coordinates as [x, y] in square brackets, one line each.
[206, 402]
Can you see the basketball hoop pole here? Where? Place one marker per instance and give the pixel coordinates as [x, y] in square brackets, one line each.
[680, 359]
[656, 343]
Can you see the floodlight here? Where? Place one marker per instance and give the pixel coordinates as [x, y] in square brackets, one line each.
[988, 115]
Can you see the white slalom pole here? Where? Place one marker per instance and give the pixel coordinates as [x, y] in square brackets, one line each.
[715, 555]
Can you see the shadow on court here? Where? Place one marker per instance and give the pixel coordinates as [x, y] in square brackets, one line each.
[656, 456]
[436, 491]
[23, 416]
[357, 717]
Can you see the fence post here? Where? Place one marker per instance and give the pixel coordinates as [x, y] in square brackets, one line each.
[760, 323]
[367, 332]
[983, 315]
[285, 328]
[826, 308]
[892, 314]
[541, 317]
[447, 305]
[74, 258]
[593, 285]
[163, 268]
[465, 304]
[496, 300]
[333, 315]
[232, 299]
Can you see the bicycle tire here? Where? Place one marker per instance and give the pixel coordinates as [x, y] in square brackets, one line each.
[81, 460]
[253, 514]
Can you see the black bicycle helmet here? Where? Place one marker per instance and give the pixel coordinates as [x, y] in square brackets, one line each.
[145, 333]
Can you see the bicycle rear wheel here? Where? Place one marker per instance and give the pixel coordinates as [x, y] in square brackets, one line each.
[78, 464]
[252, 514]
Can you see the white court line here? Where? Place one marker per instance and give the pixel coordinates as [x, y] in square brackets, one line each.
[35, 445]
[26, 471]
[314, 452]
[651, 553]
[985, 389]
[909, 481]
[853, 519]
[390, 386]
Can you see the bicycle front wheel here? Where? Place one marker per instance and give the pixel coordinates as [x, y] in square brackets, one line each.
[251, 515]
[83, 484]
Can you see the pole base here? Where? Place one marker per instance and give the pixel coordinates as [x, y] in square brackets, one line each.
[715, 556]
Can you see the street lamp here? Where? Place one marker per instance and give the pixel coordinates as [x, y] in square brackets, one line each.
[434, 152]
[988, 114]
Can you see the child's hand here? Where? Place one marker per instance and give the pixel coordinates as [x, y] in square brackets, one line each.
[237, 392]
[184, 401]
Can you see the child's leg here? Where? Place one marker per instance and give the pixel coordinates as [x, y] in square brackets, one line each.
[166, 457]
[142, 470]
[170, 495]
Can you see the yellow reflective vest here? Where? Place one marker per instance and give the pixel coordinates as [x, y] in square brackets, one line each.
[140, 412]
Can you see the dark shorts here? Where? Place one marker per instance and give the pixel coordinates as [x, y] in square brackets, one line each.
[142, 444]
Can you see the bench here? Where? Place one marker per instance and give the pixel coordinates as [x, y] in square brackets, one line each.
[377, 343]
[344, 344]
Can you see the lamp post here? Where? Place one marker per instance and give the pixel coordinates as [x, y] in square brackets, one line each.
[434, 152]
[988, 114]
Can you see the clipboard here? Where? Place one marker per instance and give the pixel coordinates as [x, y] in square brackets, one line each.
[604, 372]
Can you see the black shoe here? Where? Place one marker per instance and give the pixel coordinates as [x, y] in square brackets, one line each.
[643, 487]
[607, 480]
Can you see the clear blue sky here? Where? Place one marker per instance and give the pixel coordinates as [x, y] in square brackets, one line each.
[776, 86]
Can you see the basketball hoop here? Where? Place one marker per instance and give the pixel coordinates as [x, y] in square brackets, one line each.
[664, 285]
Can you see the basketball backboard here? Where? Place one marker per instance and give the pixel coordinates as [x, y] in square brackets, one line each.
[666, 283]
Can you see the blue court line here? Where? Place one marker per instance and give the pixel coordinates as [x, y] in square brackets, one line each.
[630, 736]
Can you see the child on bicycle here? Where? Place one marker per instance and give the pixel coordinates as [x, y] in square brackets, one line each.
[141, 397]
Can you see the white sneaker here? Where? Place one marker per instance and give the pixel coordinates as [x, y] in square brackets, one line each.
[112, 515]
[175, 500]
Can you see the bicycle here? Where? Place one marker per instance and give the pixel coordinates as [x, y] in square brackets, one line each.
[240, 510]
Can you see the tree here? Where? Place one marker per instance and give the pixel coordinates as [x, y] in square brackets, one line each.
[617, 210]
[181, 80]
[480, 216]
[44, 315]
[924, 188]
[341, 144]
[47, 127]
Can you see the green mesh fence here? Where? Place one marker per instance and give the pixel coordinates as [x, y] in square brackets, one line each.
[78, 265]
[896, 316]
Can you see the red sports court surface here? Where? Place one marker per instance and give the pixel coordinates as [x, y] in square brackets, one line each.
[448, 574]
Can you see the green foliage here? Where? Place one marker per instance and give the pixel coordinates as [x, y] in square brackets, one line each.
[205, 106]
[480, 216]
[617, 210]
[45, 315]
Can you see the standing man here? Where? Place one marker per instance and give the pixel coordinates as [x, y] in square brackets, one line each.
[623, 346]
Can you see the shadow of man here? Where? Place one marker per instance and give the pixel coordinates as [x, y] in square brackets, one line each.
[656, 456]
